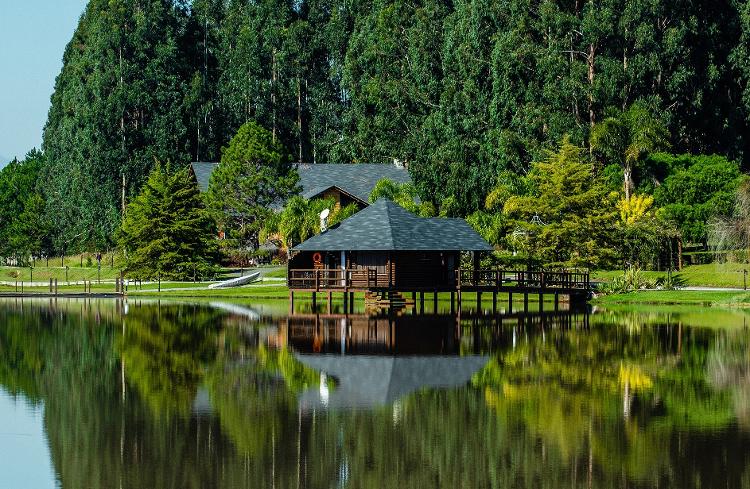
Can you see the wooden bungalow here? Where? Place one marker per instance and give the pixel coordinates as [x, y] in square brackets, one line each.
[384, 250]
[385, 247]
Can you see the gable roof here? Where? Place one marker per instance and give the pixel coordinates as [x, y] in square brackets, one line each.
[202, 171]
[355, 179]
[386, 226]
[367, 381]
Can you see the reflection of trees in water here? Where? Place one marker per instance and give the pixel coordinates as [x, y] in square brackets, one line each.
[728, 367]
[549, 413]
[164, 351]
[621, 400]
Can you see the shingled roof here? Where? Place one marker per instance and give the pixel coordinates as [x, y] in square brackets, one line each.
[368, 381]
[357, 179]
[386, 226]
[202, 171]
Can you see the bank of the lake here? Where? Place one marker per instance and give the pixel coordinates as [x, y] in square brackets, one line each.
[725, 298]
[727, 275]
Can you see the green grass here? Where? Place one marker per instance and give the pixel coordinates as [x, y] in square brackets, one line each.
[275, 272]
[699, 297]
[43, 273]
[105, 287]
[727, 275]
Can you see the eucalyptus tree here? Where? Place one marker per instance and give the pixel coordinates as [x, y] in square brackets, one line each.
[117, 106]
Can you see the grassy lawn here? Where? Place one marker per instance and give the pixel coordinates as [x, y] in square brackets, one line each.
[699, 297]
[710, 275]
[102, 288]
[43, 274]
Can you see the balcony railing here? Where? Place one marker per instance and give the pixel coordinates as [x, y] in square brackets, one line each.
[523, 279]
[337, 279]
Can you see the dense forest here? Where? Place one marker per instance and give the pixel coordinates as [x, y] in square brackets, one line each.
[461, 91]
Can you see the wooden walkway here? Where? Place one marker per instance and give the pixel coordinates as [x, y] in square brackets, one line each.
[575, 285]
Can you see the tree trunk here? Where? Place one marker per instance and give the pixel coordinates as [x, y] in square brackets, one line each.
[273, 93]
[299, 120]
[590, 60]
[627, 173]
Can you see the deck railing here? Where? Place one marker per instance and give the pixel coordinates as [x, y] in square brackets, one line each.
[337, 279]
[523, 279]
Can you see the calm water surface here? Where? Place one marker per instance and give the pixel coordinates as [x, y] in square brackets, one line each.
[168, 395]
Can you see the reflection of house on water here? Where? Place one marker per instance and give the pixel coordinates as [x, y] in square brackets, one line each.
[376, 360]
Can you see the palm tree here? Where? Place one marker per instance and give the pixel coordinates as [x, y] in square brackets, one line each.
[627, 137]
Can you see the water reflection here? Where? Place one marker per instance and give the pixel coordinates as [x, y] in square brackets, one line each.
[184, 395]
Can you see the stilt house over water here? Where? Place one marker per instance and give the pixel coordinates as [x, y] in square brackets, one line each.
[385, 250]
[385, 247]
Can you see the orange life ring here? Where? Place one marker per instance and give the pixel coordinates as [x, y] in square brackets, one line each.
[317, 258]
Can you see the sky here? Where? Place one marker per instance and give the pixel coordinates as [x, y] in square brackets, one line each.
[33, 36]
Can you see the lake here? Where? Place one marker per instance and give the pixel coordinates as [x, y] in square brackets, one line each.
[146, 394]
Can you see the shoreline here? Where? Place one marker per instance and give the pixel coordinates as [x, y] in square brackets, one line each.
[710, 297]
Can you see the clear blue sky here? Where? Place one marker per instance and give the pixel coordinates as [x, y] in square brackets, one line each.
[33, 36]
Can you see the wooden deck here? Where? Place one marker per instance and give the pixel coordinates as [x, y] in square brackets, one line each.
[574, 284]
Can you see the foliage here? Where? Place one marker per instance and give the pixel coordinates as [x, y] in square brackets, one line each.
[727, 233]
[403, 194]
[576, 213]
[631, 280]
[694, 189]
[167, 230]
[636, 209]
[627, 137]
[460, 91]
[117, 106]
[300, 220]
[254, 174]
[23, 227]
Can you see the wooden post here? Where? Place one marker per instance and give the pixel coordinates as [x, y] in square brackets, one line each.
[557, 301]
[50, 286]
[475, 274]
[328, 300]
[421, 302]
[510, 302]
[453, 302]
[314, 299]
[525, 301]
[351, 302]
[55, 286]
[346, 301]
[435, 302]
[479, 300]
[494, 301]
[291, 301]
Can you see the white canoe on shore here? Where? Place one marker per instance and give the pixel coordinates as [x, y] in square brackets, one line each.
[236, 282]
